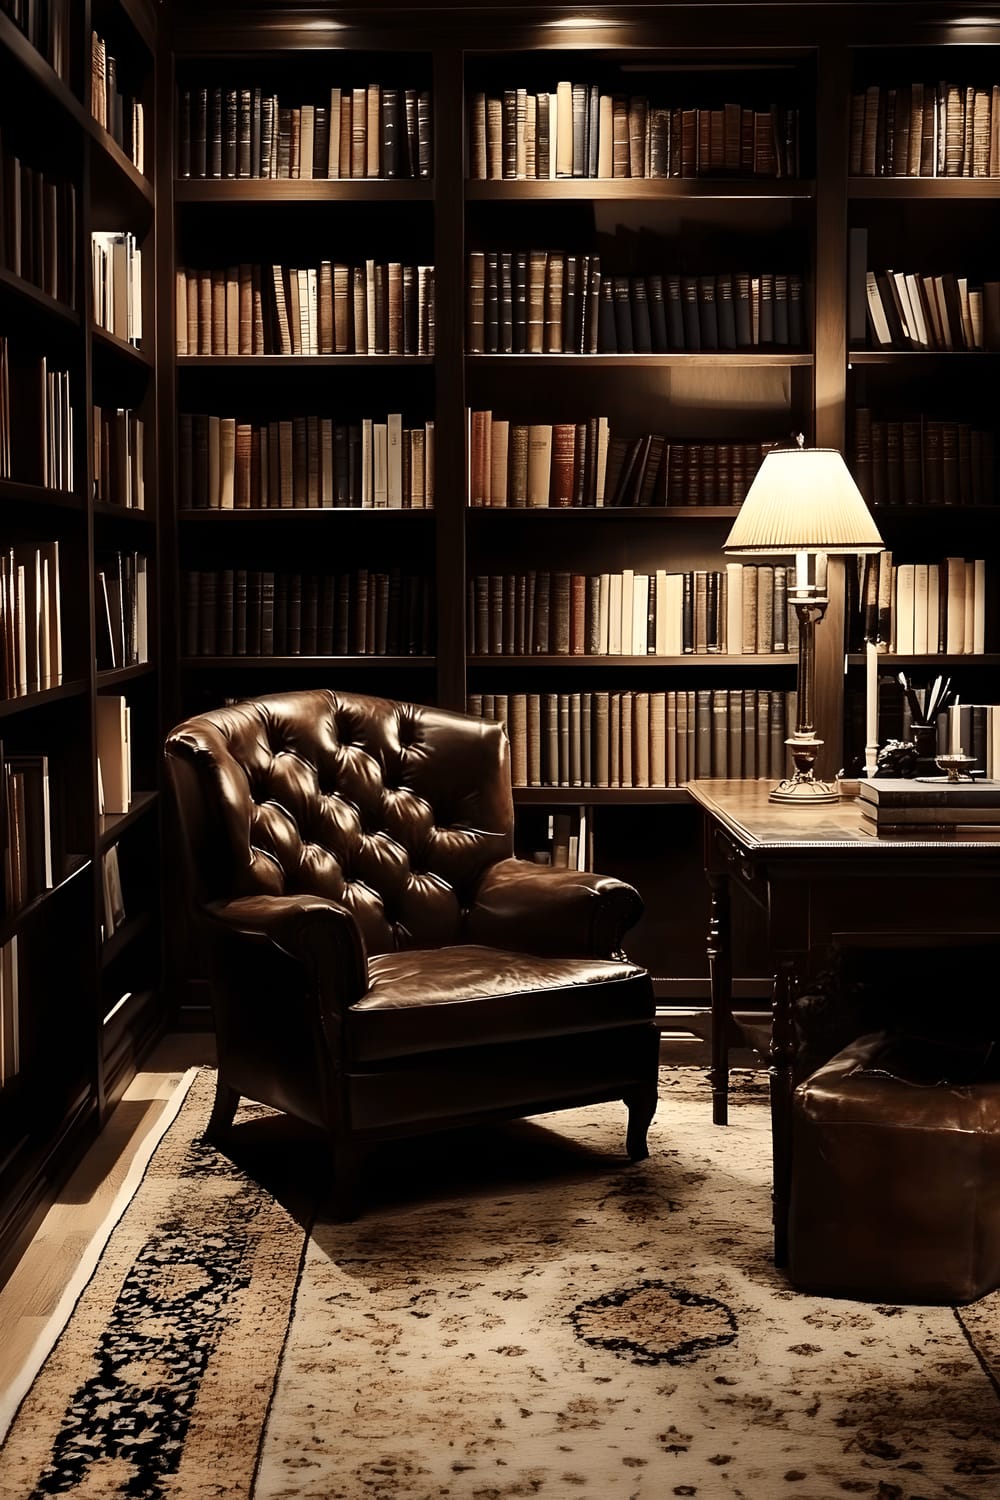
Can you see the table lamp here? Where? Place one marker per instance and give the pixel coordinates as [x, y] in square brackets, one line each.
[804, 504]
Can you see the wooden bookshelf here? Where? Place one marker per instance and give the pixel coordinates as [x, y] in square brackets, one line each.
[61, 1072]
[711, 222]
[92, 999]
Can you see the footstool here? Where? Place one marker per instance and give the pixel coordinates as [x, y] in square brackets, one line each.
[895, 1191]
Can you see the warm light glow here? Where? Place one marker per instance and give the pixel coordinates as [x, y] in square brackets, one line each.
[578, 22]
[803, 500]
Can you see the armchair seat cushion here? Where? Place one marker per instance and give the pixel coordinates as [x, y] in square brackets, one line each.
[430, 999]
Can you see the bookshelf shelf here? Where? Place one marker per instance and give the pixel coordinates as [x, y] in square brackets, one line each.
[131, 931]
[312, 663]
[113, 169]
[112, 825]
[109, 346]
[927, 189]
[301, 515]
[370, 362]
[711, 661]
[12, 286]
[935, 360]
[118, 676]
[931, 661]
[641, 362]
[39, 496]
[42, 699]
[364, 190]
[35, 910]
[639, 190]
[35, 69]
[596, 796]
[128, 515]
[686, 514]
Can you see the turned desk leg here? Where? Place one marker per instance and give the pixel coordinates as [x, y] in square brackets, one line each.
[780, 1071]
[720, 970]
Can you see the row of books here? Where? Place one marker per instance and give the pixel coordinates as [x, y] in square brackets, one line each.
[116, 261]
[332, 308]
[551, 302]
[972, 729]
[38, 217]
[30, 618]
[264, 612]
[743, 610]
[967, 728]
[583, 463]
[579, 130]
[305, 462]
[36, 420]
[122, 605]
[26, 814]
[48, 28]
[925, 130]
[112, 896]
[939, 608]
[922, 460]
[118, 443]
[119, 113]
[10, 1013]
[367, 130]
[114, 753]
[569, 840]
[640, 739]
[918, 608]
[911, 310]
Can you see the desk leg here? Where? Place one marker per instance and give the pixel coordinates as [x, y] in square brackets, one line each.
[720, 969]
[781, 1057]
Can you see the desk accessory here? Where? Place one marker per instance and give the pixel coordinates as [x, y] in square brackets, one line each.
[928, 801]
[804, 503]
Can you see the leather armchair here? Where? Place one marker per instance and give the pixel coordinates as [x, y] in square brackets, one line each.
[380, 962]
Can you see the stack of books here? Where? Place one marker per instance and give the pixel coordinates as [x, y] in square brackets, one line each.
[911, 805]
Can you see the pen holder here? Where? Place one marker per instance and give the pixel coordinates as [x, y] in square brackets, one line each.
[924, 737]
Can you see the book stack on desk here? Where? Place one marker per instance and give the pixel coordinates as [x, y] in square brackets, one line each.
[897, 803]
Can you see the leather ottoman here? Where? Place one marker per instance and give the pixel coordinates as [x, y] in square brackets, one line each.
[895, 1177]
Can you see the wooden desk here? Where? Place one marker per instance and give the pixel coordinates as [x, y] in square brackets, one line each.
[818, 877]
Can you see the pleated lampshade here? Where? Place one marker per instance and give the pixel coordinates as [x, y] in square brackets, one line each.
[803, 500]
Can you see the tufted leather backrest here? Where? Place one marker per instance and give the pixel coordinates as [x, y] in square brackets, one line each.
[392, 809]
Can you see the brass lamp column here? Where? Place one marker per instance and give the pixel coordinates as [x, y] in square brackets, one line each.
[804, 503]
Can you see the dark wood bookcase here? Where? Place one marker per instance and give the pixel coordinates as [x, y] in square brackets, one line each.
[945, 505]
[91, 998]
[709, 222]
[88, 996]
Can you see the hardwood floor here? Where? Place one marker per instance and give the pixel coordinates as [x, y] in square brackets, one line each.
[48, 1266]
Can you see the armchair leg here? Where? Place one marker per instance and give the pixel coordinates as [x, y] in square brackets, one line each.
[641, 1103]
[223, 1110]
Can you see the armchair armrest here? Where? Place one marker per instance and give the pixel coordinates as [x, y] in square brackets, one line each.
[537, 909]
[322, 936]
[286, 969]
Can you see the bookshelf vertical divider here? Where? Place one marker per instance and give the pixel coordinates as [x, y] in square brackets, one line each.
[449, 260]
[830, 369]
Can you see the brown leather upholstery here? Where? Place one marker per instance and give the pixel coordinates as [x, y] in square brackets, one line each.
[895, 1182]
[380, 960]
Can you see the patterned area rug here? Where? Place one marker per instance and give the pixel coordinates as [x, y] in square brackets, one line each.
[520, 1312]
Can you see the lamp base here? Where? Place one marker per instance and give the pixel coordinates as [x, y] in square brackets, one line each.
[804, 789]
